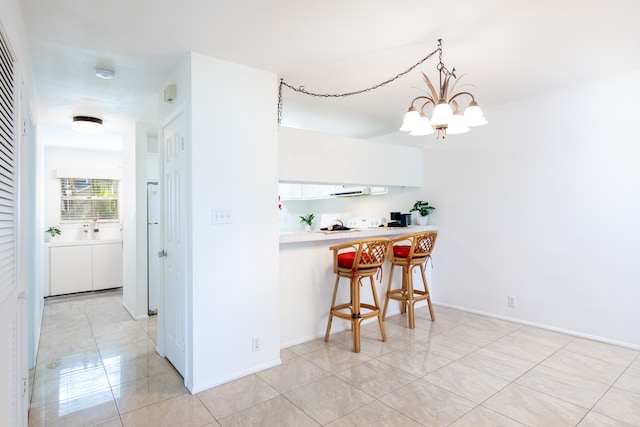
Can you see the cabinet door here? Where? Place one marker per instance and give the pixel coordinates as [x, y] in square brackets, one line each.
[70, 268]
[107, 266]
[290, 191]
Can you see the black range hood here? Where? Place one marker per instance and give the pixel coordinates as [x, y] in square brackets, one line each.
[352, 192]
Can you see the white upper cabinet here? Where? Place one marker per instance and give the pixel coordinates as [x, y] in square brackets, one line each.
[315, 157]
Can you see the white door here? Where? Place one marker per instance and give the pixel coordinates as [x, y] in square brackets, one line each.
[13, 320]
[174, 243]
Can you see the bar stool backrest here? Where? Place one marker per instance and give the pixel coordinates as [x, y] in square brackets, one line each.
[415, 247]
[360, 254]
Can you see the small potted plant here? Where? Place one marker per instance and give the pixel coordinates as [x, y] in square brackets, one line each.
[53, 231]
[423, 209]
[307, 220]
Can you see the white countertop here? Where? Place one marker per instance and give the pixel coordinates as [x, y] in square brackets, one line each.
[355, 233]
[82, 242]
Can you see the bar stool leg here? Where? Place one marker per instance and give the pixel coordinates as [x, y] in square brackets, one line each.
[377, 305]
[426, 289]
[333, 304]
[410, 302]
[355, 313]
[386, 301]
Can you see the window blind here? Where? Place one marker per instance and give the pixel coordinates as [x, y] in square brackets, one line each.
[84, 199]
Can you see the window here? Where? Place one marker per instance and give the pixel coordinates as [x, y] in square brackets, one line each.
[85, 199]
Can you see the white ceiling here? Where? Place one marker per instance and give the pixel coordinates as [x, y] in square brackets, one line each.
[509, 49]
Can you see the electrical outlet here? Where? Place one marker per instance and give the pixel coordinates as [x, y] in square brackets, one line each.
[511, 301]
[255, 344]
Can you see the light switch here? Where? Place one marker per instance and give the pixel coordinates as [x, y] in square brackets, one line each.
[221, 216]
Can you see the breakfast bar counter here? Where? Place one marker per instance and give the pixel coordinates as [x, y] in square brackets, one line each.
[354, 234]
[307, 278]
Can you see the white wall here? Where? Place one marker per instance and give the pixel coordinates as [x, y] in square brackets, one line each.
[234, 292]
[542, 204]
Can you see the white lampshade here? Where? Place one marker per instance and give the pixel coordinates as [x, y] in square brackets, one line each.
[473, 115]
[441, 114]
[86, 124]
[457, 125]
[411, 120]
[423, 127]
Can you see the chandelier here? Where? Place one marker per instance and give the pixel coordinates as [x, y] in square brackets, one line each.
[446, 117]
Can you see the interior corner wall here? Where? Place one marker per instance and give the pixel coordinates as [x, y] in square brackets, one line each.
[233, 168]
[542, 204]
[131, 222]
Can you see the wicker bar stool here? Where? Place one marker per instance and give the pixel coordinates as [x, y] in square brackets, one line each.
[408, 252]
[355, 260]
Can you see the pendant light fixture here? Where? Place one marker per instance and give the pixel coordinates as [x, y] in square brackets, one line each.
[446, 117]
[86, 124]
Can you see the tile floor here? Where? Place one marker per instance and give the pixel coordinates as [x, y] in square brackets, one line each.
[97, 366]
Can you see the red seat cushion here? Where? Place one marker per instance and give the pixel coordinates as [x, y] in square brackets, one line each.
[346, 259]
[401, 251]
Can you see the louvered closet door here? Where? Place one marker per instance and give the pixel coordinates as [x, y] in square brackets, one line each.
[10, 326]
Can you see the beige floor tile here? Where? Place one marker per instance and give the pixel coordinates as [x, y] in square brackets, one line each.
[286, 354]
[473, 334]
[318, 344]
[496, 363]
[593, 419]
[376, 378]
[185, 411]
[81, 411]
[57, 336]
[620, 405]
[328, 399]
[417, 362]
[467, 382]
[336, 358]
[274, 412]
[533, 408]
[603, 351]
[464, 353]
[227, 399]
[121, 326]
[67, 364]
[292, 374]
[577, 390]
[543, 336]
[449, 347]
[428, 404]
[148, 391]
[372, 345]
[585, 366]
[374, 414]
[120, 353]
[69, 386]
[483, 417]
[522, 346]
[125, 372]
[111, 422]
[121, 337]
[48, 354]
[629, 381]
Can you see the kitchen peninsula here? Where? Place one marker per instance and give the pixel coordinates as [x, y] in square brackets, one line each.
[307, 278]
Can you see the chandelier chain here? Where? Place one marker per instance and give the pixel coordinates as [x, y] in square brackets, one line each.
[302, 89]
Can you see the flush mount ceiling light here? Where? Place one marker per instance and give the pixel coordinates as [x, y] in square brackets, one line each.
[87, 124]
[446, 117]
[105, 73]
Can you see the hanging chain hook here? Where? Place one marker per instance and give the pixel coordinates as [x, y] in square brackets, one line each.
[301, 89]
